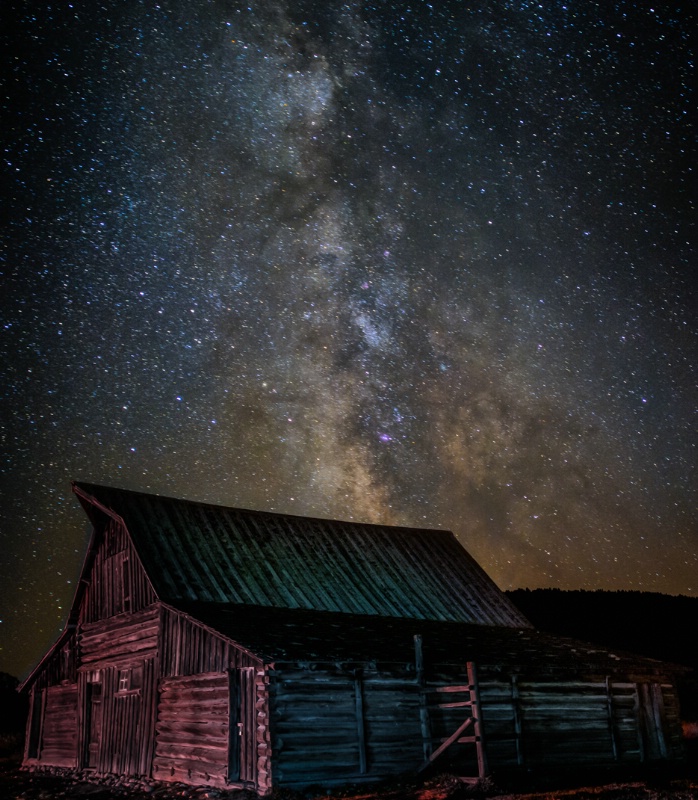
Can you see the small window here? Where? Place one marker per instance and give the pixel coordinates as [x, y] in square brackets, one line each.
[129, 680]
[124, 684]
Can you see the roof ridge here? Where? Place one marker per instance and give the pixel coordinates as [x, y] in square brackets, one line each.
[201, 551]
[86, 486]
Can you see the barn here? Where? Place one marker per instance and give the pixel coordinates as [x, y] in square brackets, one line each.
[237, 648]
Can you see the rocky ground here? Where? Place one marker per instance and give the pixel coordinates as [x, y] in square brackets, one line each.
[16, 784]
[680, 784]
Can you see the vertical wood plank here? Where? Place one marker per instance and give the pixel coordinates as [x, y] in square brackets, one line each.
[234, 748]
[360, 722]
[421, 688]
[518, 723]
[477, 720]
[639, 721]
[611, 720]
[249, 725]
[658, 717]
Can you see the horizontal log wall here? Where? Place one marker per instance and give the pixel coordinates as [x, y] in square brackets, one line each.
[263, 733]
[625, 721]
[391, 704]
[192, 731]
[548, 723]
[566, 723]
[317, 736]
[120, 640]
[334, 726]
[313, 727]
[60, 727]
[117, 582]
[502, 725]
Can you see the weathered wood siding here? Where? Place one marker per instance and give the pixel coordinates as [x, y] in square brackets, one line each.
[117, 582]
[118, 718]
[391, 719]
[626, 730]
[672, 711]
[189, 648]
[60, 727]
[531, 723]
[331, 725]
[262, 736]
[61, 665]
[120, 640]
[201, 672]
[35, 721]
[565, 723]
[118, 655]
[657, 711]
[313, 727]
[192, 734]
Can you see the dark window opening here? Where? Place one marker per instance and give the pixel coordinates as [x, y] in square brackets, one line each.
[126, 583]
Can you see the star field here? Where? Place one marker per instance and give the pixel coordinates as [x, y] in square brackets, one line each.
[423, 264]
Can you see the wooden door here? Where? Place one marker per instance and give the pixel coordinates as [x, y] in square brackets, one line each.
[93, 726]
[651, 721]
[242, 765]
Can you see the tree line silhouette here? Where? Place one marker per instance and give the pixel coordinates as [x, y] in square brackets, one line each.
[650, 624]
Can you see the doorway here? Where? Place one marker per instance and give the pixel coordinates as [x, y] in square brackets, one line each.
[93, 724]
[242, 752]
[36, 725]
[651, 721]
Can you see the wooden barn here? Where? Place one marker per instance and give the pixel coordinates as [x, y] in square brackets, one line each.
[236, 648]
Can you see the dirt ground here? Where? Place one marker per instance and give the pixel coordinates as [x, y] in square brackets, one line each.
[16, 784]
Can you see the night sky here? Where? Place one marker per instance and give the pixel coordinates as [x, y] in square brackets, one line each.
[413, 263]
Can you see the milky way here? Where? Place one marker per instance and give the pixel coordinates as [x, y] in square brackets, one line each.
[424, 264]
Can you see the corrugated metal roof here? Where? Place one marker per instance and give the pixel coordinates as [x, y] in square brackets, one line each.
[195, 552]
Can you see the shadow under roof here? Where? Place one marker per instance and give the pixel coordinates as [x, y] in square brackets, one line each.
[297, 635]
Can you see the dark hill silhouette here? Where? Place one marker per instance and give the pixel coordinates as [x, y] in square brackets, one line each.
[655, 625]
[14, 706]
[650, 624]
